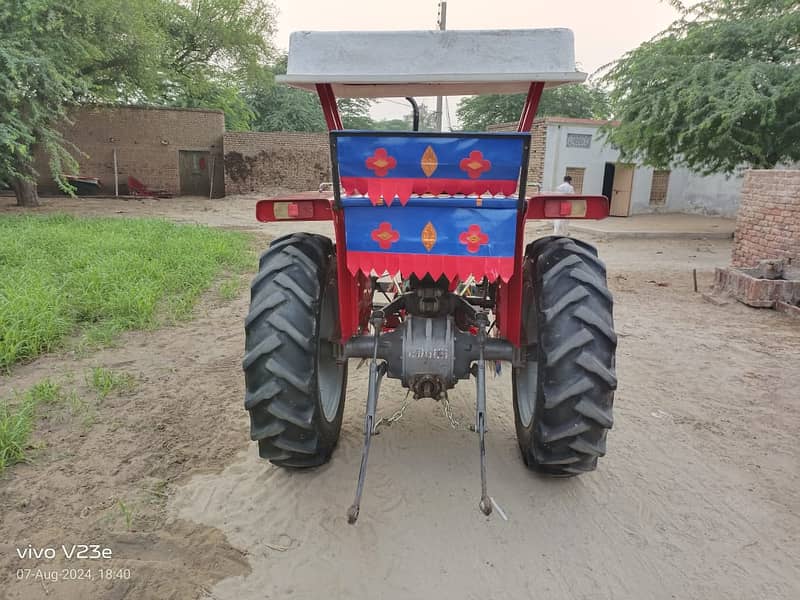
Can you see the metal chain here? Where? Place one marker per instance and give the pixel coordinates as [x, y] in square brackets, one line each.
[396, 416]
[448, 412]
[447, 409]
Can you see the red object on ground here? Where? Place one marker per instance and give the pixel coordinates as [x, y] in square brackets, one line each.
[137, 188]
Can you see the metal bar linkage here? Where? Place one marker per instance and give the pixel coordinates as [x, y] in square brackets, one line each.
[480, 411]
[376, 373]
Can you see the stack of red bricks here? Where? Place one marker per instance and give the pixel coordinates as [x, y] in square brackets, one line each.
[768, 222]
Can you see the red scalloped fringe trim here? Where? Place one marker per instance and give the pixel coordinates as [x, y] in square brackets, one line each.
[492, 267]
[388, 188]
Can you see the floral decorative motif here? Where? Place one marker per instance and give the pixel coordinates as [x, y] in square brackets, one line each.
[385, 235]
[475, 165]
[429, 162]
[428, 236]
[473, 238]
[381, 163]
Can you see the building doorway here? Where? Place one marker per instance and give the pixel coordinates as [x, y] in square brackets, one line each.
[621, 190]
[608, 180]
[193, 170]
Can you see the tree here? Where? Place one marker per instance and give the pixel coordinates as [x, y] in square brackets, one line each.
[427, 118]
[476, 113]
[355, 113]
[718, 89]
[215, 50]
[282, 108]
[54, 55]
[43, 49]
[278, 107]
[392, 125]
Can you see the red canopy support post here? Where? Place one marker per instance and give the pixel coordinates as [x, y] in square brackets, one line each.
[329, 108]
[531, 105]
[350, 288]
[510, 294]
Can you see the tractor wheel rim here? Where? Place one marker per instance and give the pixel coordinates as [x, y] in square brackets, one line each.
[527, 385]
[330, 374]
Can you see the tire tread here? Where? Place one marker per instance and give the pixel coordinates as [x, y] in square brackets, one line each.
[574, 352]
[279, 362]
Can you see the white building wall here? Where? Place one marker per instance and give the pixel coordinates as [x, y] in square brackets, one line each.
[716, 195]
[558, 157]
[687, 192]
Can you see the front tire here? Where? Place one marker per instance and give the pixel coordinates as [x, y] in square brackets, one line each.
[295, 386]
[564, 393]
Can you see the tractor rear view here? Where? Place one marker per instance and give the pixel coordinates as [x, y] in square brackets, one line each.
[429, 277]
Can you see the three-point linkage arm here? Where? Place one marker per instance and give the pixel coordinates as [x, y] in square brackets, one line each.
[376, 373]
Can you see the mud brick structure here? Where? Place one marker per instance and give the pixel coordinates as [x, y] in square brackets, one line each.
[768, 223]
[747, 287]
[256, 161]
[767, 229]
[153, 144]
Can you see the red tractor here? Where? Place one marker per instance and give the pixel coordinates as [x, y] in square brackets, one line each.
[429, 277]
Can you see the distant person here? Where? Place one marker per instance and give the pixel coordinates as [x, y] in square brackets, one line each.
[566, 187]
[560, 226]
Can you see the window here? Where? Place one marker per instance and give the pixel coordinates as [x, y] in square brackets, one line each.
[658, 188]
[577, 178]
[579, 140]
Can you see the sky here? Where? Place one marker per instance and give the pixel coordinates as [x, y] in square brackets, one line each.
[604, 29]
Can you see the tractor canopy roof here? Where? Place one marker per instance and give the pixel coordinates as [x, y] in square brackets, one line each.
[372, 64]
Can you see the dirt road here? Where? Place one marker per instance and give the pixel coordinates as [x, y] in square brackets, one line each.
[697, 497]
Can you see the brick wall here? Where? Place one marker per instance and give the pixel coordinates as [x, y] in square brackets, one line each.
[768, 222]
[256, 161]
[147, 141]
[538, 145]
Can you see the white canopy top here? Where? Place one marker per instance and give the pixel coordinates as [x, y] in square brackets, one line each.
[372, 64]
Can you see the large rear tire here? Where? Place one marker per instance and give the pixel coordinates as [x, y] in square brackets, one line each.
[295, 386]
[563, 396]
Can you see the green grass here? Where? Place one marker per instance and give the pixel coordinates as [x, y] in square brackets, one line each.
[17, 419]
[18, 415]
[230, 288]
[78, 407]
[46, 392]
[128, 513]
[16, 424]
[61, 275]
[104, 381]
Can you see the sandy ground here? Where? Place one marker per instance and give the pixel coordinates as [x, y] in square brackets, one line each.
[697, 497]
